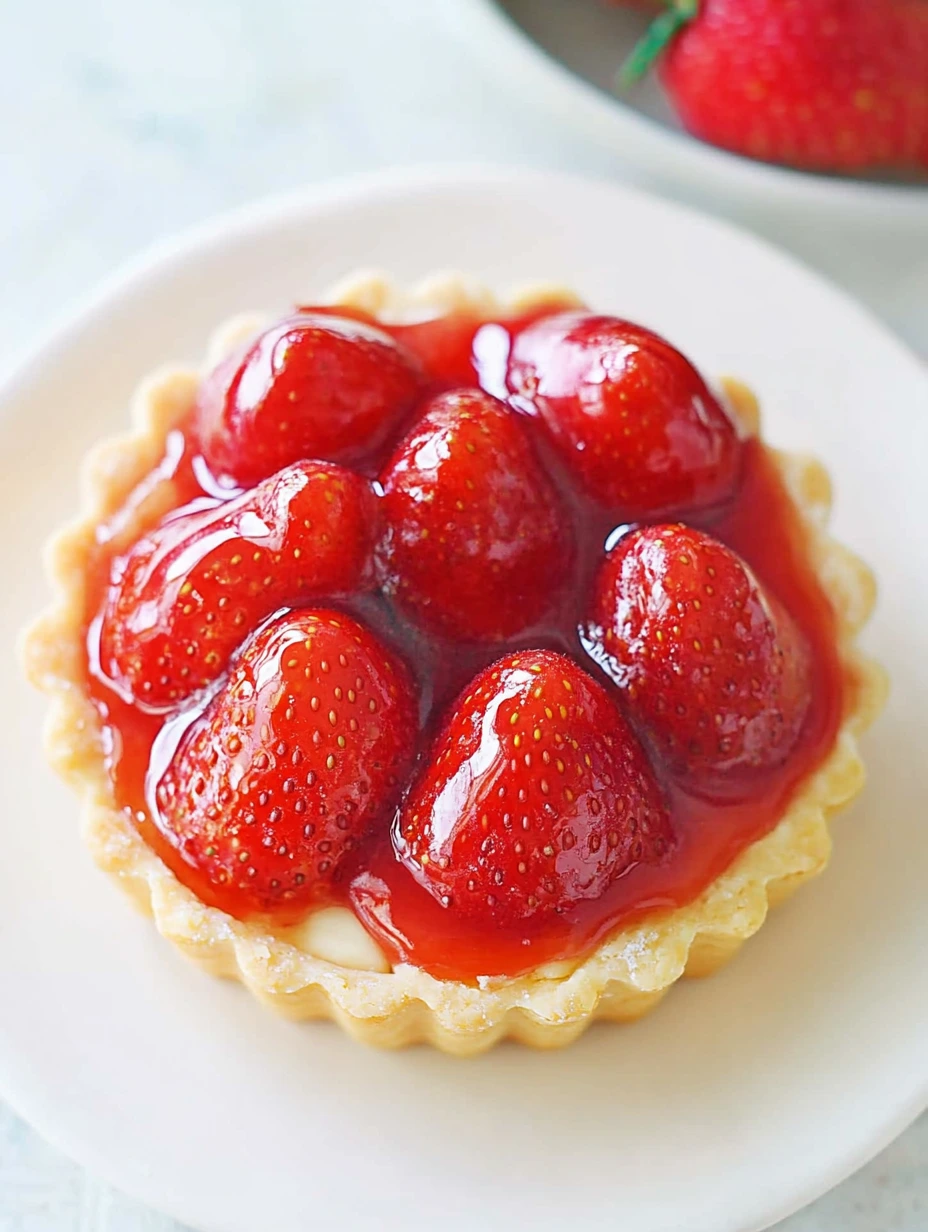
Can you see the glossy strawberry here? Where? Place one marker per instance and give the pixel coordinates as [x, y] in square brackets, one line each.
[475, 544]
[536, 798]
[295, 759]
[714, 671]
[634, 422]
[835, 85]
[313, 386]
[188, 592]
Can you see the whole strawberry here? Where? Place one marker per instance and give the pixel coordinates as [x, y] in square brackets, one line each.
[475, 545]
[635, 425]
[300, 753]
[832, 85]
[187, 593]
[714, 671]
[537, 797]
[315, 385]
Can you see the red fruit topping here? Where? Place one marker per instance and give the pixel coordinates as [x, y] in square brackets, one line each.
[714, 670]
[192, 589]
[253, 764]
[313, 386]
[538, 796]
[303, 750]
[475, 546]
[633, 420]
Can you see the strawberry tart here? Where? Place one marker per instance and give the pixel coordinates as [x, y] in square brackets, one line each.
[454, 668]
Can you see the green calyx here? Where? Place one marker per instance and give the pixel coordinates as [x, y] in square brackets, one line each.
[662, 30]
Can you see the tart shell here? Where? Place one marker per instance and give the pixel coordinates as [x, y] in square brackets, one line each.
[331, 969]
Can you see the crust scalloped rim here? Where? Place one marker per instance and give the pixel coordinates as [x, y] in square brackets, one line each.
[626, 975]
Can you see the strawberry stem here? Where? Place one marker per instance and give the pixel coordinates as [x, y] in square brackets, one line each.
[659, 34]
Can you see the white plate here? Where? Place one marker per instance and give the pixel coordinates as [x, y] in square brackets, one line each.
[742, 1097]
[561, 55]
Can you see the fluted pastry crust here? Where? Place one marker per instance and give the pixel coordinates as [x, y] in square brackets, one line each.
[330, 968]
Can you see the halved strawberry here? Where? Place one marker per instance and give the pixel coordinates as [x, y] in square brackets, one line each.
[475, 542]
[188, 592]
[636, 425]
[315, 385]
[299, 754]
[715, 673]
[537, 796]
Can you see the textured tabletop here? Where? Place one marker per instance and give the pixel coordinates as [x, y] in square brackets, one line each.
[122, 121]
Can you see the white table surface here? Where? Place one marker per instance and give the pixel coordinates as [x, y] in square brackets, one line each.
[124, 120]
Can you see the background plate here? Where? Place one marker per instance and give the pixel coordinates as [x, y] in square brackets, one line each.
[562, 57]
[742, 1097]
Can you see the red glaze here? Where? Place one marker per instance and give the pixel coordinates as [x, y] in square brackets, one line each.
[757, 520]
[274, 787]
[475, 547]
[537, 796]
[634, 422]
[313, 386]
[188, 592]
[714, 672]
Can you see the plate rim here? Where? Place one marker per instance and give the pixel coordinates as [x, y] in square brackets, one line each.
[253, 215]
[235, 225]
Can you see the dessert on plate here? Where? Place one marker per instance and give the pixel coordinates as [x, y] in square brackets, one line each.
[454, 668]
